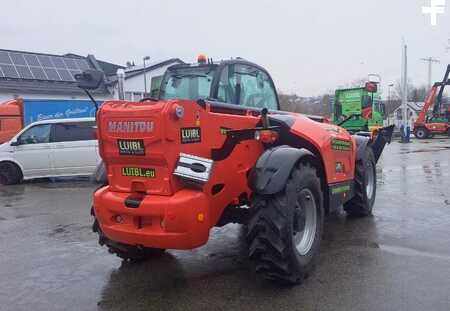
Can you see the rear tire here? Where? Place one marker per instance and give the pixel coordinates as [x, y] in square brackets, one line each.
[10, 174]
[421, 133]
[128, 253]
[285, 229]
[365, 186]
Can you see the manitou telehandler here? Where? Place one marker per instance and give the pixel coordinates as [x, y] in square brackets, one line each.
[439, 121]
[213, 149]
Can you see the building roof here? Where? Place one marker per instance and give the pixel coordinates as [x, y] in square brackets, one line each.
[43, 73]
[416, 106]
[138, 70]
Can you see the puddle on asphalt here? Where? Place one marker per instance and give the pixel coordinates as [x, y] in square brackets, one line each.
[410, 252]
[436, 149]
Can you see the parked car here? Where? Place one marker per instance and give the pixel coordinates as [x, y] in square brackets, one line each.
[52, 148]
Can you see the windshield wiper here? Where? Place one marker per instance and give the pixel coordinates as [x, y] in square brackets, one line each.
[190, 75]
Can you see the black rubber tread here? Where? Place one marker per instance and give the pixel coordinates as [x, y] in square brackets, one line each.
[129, 253]
[360, 205]
[270, 230]
[10, 173]
[427, 133]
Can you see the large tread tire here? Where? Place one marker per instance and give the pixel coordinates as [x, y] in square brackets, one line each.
[271, 229]
[362, 202]
[129, 253]
[421, 133]
[10, 174]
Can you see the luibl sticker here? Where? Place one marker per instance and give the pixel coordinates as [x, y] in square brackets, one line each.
[131, 146]
[340, 145]
[138, 172]
[190, 135]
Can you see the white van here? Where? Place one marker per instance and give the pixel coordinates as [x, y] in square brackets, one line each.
[51, 148]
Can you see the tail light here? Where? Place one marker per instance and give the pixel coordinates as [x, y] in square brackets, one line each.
[267, 136]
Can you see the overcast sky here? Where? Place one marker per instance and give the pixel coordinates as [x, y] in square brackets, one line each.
[309, 47]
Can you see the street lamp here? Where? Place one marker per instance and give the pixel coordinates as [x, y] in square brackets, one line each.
[145, 76]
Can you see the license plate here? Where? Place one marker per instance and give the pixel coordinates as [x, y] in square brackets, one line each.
[131, 147]
[138, 172]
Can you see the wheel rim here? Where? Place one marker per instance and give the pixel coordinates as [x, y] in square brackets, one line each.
[421, 133]
[370, 179]
[305, 222]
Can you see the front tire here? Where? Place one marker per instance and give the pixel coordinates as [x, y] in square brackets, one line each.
[10, 174]
[365, 186]
[421, 133]
[285, 228]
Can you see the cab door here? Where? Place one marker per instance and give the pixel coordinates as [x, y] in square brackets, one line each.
[33, 151]
[75, 149]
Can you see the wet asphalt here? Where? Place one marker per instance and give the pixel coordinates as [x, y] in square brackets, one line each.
[398, 259]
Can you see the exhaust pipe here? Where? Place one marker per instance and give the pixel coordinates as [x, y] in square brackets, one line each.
[120, 83]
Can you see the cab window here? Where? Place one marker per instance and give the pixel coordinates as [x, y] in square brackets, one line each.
[76, 131]
[247, 86]
[39, 134]
[191, 83]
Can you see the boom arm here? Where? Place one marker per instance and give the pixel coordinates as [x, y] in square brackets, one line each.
[429, 100]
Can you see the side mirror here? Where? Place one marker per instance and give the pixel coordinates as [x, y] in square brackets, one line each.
[89, 79]
[14, 143]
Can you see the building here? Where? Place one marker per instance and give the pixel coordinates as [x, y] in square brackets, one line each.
[47, 76]
[138, 78]
[32, 75]
[413, 110]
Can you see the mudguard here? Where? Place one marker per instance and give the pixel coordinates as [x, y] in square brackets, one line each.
[361, 144]
[273, 169]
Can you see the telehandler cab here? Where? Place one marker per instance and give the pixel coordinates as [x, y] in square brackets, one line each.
[213, 149]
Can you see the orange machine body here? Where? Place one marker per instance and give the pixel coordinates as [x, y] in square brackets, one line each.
[11, 119]
[171, 214]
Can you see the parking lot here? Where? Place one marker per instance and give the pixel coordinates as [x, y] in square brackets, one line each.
[399, 259]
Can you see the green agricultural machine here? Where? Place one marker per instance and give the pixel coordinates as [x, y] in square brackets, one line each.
[358, 109]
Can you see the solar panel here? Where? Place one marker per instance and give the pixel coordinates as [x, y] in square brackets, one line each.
[58, 62]
[9, 71]
[45, 61]
[52, 74]
[65, 75]
[17, 59]
[24, 72]
[4, 58]
[70, 63]
[38, 73]
[32, 60]
[40, 67]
